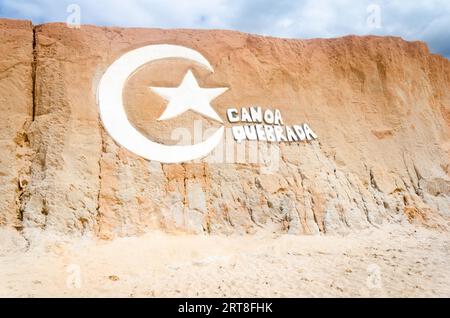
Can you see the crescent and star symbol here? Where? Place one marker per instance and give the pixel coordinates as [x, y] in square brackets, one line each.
[189, 96]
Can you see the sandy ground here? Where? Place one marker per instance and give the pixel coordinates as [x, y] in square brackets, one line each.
[395, 261]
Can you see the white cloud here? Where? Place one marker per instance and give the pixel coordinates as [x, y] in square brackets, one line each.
[412, 19]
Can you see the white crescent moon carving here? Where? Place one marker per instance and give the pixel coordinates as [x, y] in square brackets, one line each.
[115, 120]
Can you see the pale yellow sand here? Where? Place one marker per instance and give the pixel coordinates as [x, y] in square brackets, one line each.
[394, 261]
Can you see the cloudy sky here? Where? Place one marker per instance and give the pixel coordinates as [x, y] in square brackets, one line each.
[428, 20]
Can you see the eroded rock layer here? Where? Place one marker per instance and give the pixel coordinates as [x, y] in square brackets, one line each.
[379, 105]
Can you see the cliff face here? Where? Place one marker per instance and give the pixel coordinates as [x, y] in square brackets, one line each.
[379, 105]
[16, 107]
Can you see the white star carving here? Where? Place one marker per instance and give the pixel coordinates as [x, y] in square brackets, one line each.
[189, 96]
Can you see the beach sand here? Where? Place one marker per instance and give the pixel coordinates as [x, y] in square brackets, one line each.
[394, 261]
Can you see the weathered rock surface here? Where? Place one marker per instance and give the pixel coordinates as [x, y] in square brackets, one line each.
[380, 106]
[16, 108]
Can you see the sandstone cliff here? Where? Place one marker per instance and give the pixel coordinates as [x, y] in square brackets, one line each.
[380, 106]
